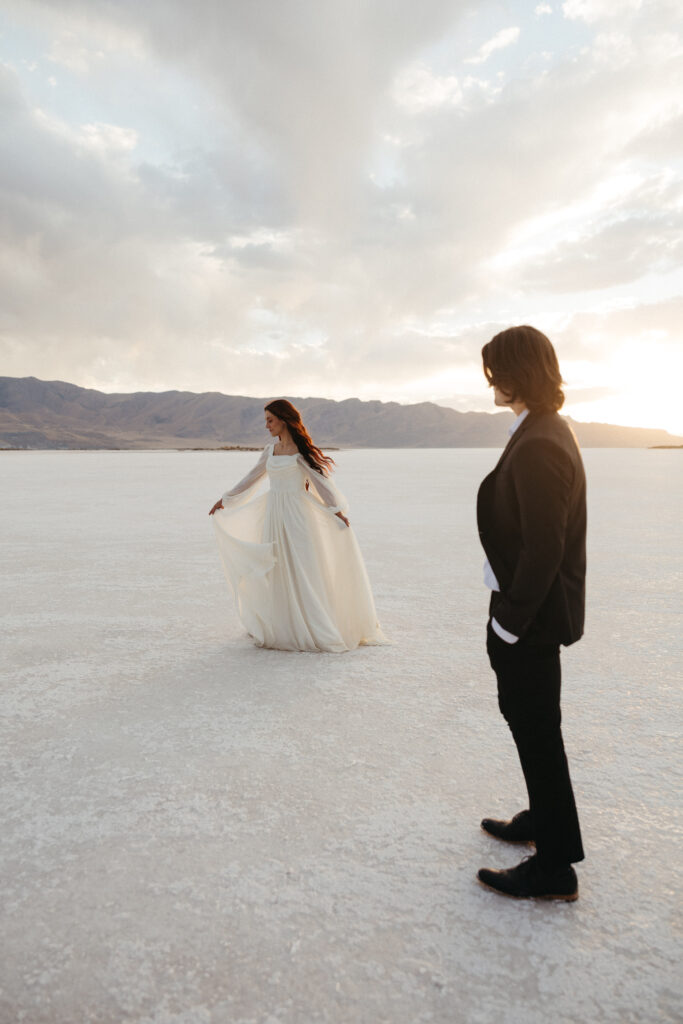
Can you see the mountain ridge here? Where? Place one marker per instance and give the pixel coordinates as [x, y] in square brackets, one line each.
[41, 414]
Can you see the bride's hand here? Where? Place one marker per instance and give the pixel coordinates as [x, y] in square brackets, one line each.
[343, 519]
[219, 504]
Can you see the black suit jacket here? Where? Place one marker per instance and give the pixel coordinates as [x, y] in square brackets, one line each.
[531, 513]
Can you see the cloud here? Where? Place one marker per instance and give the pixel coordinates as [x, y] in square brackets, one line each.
[109, 138]
[639, 235]
[68, 52]
[305, 81]
[599, 10]
[587, 395]
[583, 332]
[418, 89]
[506, 37]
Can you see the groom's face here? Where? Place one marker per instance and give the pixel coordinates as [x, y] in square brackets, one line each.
[501, 397]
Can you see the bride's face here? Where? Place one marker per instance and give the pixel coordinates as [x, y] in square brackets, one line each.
[274, 426]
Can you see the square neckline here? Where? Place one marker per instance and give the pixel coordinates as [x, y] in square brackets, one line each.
[281, 455]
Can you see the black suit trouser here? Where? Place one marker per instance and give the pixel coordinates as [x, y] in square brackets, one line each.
[529, 681]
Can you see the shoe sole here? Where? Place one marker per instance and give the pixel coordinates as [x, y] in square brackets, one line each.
[546, 896]
[512, 842]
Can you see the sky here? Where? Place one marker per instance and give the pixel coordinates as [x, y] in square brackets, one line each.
[348, 198]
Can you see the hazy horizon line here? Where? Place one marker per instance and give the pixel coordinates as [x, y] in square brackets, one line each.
[382, 401]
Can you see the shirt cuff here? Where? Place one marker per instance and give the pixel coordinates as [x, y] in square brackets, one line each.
[509, 638]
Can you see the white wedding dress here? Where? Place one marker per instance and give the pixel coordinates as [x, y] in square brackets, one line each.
[294, 567]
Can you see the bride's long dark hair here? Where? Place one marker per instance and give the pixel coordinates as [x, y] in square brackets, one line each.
[290, 415]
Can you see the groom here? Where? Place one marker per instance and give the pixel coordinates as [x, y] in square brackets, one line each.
[531, 513]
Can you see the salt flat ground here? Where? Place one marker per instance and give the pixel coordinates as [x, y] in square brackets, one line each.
[199, 832]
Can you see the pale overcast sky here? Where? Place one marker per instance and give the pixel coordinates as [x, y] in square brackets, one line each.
[345, 198]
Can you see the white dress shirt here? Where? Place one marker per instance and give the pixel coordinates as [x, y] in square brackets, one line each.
[489, 575]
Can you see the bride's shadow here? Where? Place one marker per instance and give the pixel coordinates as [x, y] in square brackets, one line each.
[220, 674]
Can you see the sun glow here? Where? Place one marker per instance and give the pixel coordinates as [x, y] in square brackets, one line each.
[638, 386]
[644, 380]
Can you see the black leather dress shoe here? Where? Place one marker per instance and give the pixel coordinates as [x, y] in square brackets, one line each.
[517, 830]
[530, 880]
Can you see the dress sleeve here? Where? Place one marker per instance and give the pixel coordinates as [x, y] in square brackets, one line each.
[242, 492]
[324, 490]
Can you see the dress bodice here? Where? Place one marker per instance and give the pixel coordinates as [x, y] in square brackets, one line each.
[287, 474]
[284, 473]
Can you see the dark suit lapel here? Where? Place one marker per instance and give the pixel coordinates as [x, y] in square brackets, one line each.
[519, 432]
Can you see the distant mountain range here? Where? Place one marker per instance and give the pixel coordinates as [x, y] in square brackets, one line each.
[54, 414]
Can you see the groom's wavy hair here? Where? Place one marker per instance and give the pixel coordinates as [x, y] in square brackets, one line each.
[522, 362]
[287, 412]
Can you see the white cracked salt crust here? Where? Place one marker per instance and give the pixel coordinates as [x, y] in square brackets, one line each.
[199, 832]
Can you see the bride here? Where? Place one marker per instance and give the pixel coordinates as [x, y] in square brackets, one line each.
[290, 556]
